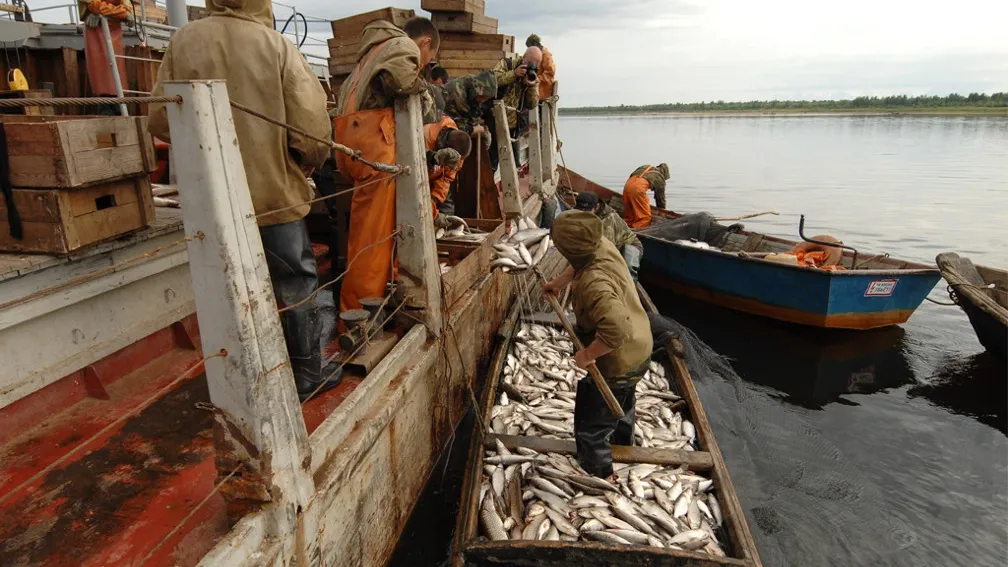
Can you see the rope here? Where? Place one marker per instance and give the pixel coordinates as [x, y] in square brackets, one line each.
[339, 277]
[85, 101]
[136, 409]
[350, 152]
[93, 275]
[570, 186]
[326, 197]
[936, 302]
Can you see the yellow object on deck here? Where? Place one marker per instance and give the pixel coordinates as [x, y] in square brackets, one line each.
[16, 80]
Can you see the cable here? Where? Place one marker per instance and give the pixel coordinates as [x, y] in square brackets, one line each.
[326, 197]
[85, 101]
[135, 409]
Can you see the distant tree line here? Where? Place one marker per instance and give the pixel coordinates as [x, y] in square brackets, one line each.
[953, 100]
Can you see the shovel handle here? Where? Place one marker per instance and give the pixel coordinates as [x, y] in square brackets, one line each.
[593, 371]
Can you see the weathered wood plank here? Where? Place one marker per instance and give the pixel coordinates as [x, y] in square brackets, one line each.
[464, 22]
[354, 24]
[537, 175]
[526, 553]
[471, 6]
[694, 460]
[419, 272]
[548, 141]
[462, 40]
[741, 540]
[512, 201]
[258, 420]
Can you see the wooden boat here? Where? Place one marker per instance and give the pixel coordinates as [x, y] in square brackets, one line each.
[982, 293]
[873, 291]
[472, 549]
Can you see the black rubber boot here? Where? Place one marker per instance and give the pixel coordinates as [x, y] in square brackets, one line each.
[596, 428]
[294, 275]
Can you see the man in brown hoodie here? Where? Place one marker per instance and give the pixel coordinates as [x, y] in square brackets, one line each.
[264, 71]
[390, 62]
[613, 324]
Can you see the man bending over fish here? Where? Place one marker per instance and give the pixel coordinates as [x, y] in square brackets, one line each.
[447, 148]
[615, 229]
[612, 322]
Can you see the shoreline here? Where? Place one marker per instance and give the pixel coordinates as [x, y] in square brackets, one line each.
[974, 111]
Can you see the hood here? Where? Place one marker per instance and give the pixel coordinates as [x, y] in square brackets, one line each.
[577, 235]
[603, 210]
[483, 83]
[260, 11]
[377, 32]
[663, 169]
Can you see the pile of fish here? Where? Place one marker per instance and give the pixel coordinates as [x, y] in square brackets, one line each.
[522, 247]
[540, 384]
[547, 496]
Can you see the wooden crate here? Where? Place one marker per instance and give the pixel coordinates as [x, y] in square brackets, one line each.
[154, 14]
[354, 25]
[471, 6]
[341, 68]
[464, 22]
[58, 221]
[28, 110]
[461, 40]
[65, 151]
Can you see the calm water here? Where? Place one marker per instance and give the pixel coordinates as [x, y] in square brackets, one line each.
[880, 448]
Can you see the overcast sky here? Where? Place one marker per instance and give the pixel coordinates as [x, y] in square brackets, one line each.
[655, 51]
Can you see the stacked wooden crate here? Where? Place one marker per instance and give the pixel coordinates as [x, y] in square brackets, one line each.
[469, 39]
[346, 40]
[76, 180]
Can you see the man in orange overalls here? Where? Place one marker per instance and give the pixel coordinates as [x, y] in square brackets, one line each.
[390, 61]
[636, 205]
[99, 68]
[447, 148]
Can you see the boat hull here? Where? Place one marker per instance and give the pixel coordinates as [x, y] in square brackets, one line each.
[857, 300]
[990, 331]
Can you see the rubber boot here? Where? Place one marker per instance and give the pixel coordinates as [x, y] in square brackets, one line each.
[596, 428]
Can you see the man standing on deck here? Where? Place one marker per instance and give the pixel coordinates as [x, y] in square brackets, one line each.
[264, 71]
[614, 229]
[547, 69]
[390, 62]
[466, 102]
[447, 148]
[636, 205]
[612, 322]
[518, 88]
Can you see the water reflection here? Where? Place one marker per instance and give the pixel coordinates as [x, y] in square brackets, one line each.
[974, 386]
[810, 367]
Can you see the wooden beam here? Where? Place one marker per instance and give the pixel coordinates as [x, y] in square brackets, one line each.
[257, 417]
[512, 201]
[548, 139]
[72, 77]
[419, 271]
[536, 172]
[694, 460]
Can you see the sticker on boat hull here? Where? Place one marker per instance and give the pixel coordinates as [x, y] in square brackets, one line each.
[881, 288]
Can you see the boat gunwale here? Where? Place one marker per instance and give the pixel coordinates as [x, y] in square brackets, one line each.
[976, 297]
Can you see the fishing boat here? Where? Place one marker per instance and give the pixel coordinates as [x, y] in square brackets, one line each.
[122, 444]
[471, 547]
[982, 293]
[871, 291]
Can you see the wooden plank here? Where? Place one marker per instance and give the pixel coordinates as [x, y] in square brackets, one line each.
[548, 141]
[354, 24]
[535, 161]
[258, 420]
[512, 201]
[11, 9]
[341, 68]
[464, 22]
[109, 195]
[108, 223]
[71, 72]
[463, 40]
[469, 63]
[419, 272]
[465, 54]
[734, 516]
[694, 460]
[339, 50]
[528, 553]
[35, 206]
[471, 6]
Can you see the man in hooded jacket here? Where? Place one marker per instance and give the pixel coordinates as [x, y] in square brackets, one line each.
[390, 63]
[466, 102]
[636, 205]
[613, 324]
[264, 71]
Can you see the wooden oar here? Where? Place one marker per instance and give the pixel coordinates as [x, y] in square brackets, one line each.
[593, 370]
[479, 171]
[743, 217]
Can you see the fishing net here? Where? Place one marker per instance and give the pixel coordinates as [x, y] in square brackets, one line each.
[805, 502]
[698, 226]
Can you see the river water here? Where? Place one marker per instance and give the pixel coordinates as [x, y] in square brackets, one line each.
[880, 448]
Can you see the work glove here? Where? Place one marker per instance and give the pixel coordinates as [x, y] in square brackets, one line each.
[92, 21]
[448, 222]
[447, 157]
[485, 134]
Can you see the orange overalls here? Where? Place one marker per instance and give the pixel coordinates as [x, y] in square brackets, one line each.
[373, 208]
[636, 205]
[98, 68]
[440, 177]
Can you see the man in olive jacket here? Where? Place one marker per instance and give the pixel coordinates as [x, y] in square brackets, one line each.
[264, 71]
[615, 229]
[612, 323]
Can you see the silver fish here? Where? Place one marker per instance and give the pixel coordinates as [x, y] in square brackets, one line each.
[529, 236]
[561, 523]
[503, 262]
[491, 521]
[631, 535]
[715, 510]
[690, 539]
[553, 534]
[531, 530]
[547, 486]
[689, 430]
[526, 256]
[592, 525]
[605, 537]
[544, 528]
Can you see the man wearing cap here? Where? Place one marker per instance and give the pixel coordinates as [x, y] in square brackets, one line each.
[615, 229]
[611, 321]
[636, 205]
[547, 69]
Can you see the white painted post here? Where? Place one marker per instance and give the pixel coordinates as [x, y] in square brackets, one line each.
[419, 270]
[258, 419]
[549, 140]
[510, 194]
[114, 62]
[537, 181]
[178, 14]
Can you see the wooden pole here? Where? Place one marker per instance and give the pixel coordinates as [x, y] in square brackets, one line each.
[537, 180]
[419, 273]
[593, 371]
[110, 53]
[511, 196]
[548, 140]
[258, 427]
[747, 216]
[479, 173]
